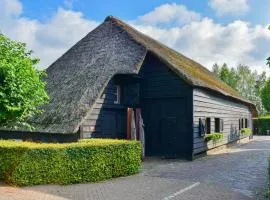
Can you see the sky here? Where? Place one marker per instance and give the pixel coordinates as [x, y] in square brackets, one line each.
[208, 31]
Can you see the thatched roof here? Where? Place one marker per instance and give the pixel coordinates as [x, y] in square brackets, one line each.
[78, 77]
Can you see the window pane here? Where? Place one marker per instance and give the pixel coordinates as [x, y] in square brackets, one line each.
[117, 94]
[208, 125]
[217, 125]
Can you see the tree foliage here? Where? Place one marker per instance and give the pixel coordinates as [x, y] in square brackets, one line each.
[22, 90]
[268, 59]
[248, 83]
[265, 95]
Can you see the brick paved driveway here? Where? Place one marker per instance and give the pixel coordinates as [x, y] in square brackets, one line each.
[237, 173]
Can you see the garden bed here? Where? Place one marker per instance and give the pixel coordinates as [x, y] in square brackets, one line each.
[28, 163]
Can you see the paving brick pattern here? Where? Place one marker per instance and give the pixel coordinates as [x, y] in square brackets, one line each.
[238, 173]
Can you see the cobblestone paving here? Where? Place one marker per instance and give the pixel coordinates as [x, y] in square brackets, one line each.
[239, 173]
[241, 168]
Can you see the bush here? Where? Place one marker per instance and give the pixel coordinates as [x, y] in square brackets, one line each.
[28, 163]
[262, 124]
[246, 131]
[22, 86]
[214, 137]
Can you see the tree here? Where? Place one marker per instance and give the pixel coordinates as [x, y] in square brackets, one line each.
[268, 59]
[265, 95]
[227, 75]
[242, 79]
[22, 90]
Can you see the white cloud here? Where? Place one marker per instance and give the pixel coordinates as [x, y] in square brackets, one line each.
[235, 7]
[202, 39]
[60, 33]
[10, 8]
[209, 43]
[169, 13]
[48, 40]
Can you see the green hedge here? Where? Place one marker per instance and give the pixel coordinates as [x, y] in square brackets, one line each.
[245, 131]
[27, 163]
[215, 137]
[262, 124]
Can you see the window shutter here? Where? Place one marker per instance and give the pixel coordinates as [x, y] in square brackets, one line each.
[221, 125]
[202, 127]
[239, 124]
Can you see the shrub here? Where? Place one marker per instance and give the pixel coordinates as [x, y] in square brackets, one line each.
[262, 124]
[214, 137]
[245, 131]
[28, 163]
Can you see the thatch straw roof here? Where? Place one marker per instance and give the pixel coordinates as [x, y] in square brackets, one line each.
[78, 77]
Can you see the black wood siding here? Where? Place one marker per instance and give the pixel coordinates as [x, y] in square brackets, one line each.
[108, 118]
[171, 99]
[167, 92]
[207, 104]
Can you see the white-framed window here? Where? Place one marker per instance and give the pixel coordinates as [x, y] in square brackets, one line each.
[117, 94]
[219, 125]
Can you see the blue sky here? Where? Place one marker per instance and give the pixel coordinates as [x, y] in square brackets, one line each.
[209, 31]
[128, 10]
[97, 10]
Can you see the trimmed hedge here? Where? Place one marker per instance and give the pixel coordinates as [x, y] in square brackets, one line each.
[214, 137]
[245, 131]
[28, 163]
[262, 124]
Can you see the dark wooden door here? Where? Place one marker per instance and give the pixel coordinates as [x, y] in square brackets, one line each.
[165, 127]
[114, 123]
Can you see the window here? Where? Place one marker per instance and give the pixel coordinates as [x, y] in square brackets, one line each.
[117, 94]
[218, 125]
[208, 125]
[201, 127]
[246, 122]
[243, 123]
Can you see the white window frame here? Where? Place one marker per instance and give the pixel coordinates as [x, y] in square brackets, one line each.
[117, 94]
[220, 125]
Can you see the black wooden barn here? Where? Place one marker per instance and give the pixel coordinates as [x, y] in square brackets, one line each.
[116, 67]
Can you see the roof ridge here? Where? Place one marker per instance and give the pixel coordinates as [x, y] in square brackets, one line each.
[111, 18]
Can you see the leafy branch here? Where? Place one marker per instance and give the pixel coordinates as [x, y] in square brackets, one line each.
[22, 90]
